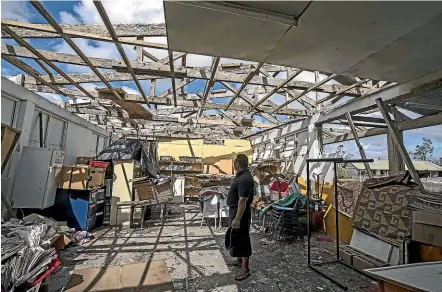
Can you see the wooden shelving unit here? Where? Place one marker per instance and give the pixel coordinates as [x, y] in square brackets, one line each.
[186, 169]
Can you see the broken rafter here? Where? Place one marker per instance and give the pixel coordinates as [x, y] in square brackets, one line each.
[120, 49]
[279, 86]
[72, 44]
[313, 87]
[209, 85]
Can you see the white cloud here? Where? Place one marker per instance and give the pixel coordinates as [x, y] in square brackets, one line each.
[15, 10]
[127, 11]
[68, 18]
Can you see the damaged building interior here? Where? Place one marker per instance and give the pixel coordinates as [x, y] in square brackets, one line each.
[120, 138]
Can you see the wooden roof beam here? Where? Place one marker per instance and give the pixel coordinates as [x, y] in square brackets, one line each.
[108, 24]
[131, 98]
[274, 90]
[209, 84]
[157, 70]
[28, 30]
[23, 43]
[313, 87]
[246, 81]
[72, 44]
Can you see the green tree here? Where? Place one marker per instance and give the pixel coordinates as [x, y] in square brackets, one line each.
[423, 151]
[342, 152]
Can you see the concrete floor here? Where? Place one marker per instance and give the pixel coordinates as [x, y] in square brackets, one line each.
[196, 257]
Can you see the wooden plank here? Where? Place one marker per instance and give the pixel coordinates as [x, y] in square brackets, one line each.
[245, 83]
[172, 76]
[279, 86]
[45, 31]
[189, 102]
[209, 84]
[23, 43]
[358, 143]
[120, 49]
[160, 70]
[313, 87]
[72, 44]
[395, 137]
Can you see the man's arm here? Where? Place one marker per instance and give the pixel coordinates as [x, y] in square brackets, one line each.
[241, 207]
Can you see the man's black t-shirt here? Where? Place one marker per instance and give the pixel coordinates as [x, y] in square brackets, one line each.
[242, 186]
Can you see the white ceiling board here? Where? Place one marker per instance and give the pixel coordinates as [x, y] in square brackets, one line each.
[210, 32]
[411, 56]
[334, 36]
[393, 41]
[292, 8]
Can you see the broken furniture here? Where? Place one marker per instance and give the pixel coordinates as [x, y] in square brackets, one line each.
[82, 177]
[425, 277]
[314, 267]
[38, 174]
[82, 209]
[10, 138]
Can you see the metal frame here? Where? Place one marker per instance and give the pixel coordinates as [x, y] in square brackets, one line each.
[335, 162]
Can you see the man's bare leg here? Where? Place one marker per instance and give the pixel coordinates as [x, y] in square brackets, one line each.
[244, 273]
[239, 262]
[245, 265]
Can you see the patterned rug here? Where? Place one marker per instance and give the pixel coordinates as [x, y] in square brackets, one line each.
[382, 207]
[348, 193]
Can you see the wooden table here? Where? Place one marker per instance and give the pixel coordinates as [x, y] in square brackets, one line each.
[424, 277]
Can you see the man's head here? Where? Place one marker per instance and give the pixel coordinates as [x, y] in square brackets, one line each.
[241, 162]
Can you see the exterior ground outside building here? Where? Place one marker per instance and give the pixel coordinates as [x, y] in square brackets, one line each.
[380, 168]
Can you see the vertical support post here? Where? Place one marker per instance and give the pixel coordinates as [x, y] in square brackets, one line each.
[395, 161]
[308, 211]
[358, 143]
[395, 136]
[335, 197]
[139, 51]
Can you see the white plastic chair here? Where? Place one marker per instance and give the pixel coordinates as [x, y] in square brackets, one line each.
[210, 209]
[223, 211]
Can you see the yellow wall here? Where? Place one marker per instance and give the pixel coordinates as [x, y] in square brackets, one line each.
[212, 154]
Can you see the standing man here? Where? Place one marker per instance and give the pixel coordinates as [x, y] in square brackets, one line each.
[239, 198]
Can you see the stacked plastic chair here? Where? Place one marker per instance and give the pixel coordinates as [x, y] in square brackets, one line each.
[285, 222]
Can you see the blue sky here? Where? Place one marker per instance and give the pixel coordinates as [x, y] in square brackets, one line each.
[76, 12]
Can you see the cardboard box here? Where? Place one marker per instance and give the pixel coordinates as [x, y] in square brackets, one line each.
[81, 177]
[149, 276]
[60, 242]
[427, 228]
